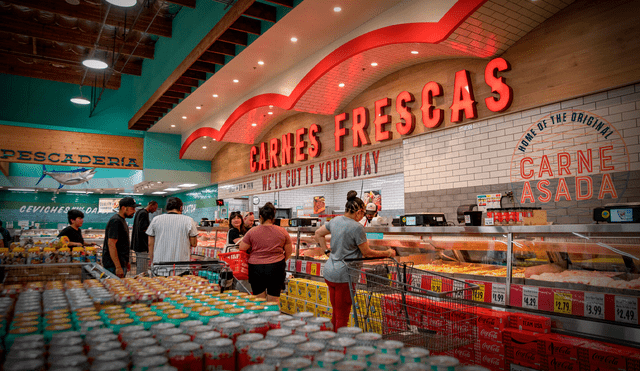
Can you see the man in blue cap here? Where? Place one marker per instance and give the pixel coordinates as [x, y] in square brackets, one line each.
[115, 250]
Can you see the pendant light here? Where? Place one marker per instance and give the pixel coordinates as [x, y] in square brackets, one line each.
[95, 63]
[80, 99]
[122, 3]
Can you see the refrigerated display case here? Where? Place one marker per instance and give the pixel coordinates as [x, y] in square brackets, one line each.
[584, 277]
[44, 236]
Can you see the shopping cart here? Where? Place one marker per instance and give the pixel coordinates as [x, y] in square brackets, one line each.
[388, 298]
[141, 261]
[25, 273]
[215, 271]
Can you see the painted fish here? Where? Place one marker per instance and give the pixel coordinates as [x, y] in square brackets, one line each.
[71, 177]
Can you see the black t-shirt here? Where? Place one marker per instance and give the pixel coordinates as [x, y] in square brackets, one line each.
[117, 228]
[6, 236]
[73, 234]
[232, 235]
[139, 238]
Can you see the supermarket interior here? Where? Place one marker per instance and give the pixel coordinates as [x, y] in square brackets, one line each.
[497, 142]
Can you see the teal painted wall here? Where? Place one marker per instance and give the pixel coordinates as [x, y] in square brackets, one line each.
[162, 151]
[16, 206]
[200, 203]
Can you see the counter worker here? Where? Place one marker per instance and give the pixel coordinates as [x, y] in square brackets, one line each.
[139, 238]
[371, 212]
[5, 240]
[172, 235]
[115, 251]
[73, 232]
[348, 241]
[234, 236]
[248, 221]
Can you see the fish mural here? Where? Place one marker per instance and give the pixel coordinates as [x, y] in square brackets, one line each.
[70, 177]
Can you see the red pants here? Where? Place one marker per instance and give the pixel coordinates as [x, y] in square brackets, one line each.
[341, 303]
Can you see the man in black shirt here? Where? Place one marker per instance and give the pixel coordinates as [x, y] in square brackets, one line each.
[5, 237]
[76, 218]
[115, 252]
[139, 238]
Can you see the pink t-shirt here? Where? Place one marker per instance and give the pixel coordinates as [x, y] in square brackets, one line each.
[266, 244]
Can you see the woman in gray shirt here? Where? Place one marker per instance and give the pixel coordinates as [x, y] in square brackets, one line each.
[348, 241]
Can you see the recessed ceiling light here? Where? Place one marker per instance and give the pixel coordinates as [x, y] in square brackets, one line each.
[172, 189]
[215, 95]
[254, 124]
[159, 182]
[199, 107]
[341, 84]
[184, 117]
[236, 81]
[96, 64]
[159, 193]
[271, 106]
[187, 185]
[261, 62]
[294, 39]
[173, 126]
[271, 113]
[122, 3]
[337, 9]
[22, 190]
[374, 64]
[214, 139]
[204, 147]
[80, 100]
[414, 52]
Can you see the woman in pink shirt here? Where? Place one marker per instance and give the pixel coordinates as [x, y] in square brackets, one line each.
[269, 247]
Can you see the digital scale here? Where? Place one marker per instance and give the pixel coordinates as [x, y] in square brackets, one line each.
[423, 219]
[618, 213]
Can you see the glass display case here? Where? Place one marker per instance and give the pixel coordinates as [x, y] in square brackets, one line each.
[44, 236]
[584, 277]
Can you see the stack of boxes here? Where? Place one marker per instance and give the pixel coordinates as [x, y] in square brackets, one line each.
[489, 349]
[521, 339]
[559, 352]
[306, 296]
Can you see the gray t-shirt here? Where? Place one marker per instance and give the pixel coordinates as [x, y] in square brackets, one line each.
[346, 235]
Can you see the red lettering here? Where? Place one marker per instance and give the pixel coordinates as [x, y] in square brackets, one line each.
[405, 113]
[581, 195]
[263, 163]
[562, 190]
[498, 85]
[367, 164]
[463, 100]
[527, 193]
[586, 162]
[547, 193]
[607, 187]
[359, 126]
[274, 151]
[315, 145]
[311, 171]
[432, 117]
[253, 165]
[327, 173]
[339, 131]
[343, 166]
[301, 144]
[321, 172]
[545, 167]
[381, 120]
[376, 158]
[564, 161]
[357, 165]
[604, 159]
[527, 174]
[287, 149]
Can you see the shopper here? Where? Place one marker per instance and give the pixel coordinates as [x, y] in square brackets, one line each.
[73, 232]
[348, 241]
[269, 247]
[172, 235]
[115, 251]
[235, 224]
[371, 212]
[6, 239]
[248, 221]
[139, 238]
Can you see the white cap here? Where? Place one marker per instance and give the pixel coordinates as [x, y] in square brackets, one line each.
[372, 208]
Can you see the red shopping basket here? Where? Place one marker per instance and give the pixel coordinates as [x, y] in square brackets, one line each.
[237, 261]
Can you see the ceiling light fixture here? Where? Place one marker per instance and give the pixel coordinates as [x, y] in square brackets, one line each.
[271, 106]
[271, 113]
[215, 95]
[130, 194]
[158, 193]
[173, 126]
[80, 99]
[81, 192]
[184, 117]
[236, 81]
[341, 84]
[94, 63]
[294, 39]
[204, 147]
[254, 124]
[122, 3]
[374, 64]
[337, 9]
[261, 62]
[199, 107]
[22, 190]
[414, 52]
[187, 185]
[172, 189]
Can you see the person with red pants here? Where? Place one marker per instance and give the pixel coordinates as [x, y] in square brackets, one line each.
[348, 241]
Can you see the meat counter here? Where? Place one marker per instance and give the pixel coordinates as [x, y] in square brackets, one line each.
[585, 277]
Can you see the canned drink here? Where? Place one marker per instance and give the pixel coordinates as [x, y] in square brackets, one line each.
[307, 330]
[277, 356]
[219, 354]
[256, 325]
[140, 344]
[203, 337]
[277, 334]
[414, 355]
[389, 346]
[77, 360]
[131, 336]
[275, 322]
[163, 368]
[360, 353]
[169, 341]
[322, 322]
[415, 367]
[216, 321]
[231, 330]
[57, 353]
[350, 366]
[173, 330]
[88, 326]
[24, 355]
[294, 364]
[101, 348]
[383, 361]
[443, 363]
[258, 350]
[65, 341]
[186, 326]
[309, 349]
[25, 365]
[292, 325]
[368, 339]
[116, 365]
[246, 316]
[114, 355]
[186, 357]
[340, 344]
[146, 363]
[304, 316]
[472, 368]
[156, 328]
[329, 359]
[349, 332]
[267, 315]
[292, 341]
[323, 336]
[260, 367]
[242, 348]
[150, 351]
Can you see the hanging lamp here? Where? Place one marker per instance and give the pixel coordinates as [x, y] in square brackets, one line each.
[80, 99]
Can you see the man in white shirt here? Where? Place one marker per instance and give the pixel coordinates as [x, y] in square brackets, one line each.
[371, 212]
[172, 235]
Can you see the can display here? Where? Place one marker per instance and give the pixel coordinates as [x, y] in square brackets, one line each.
[144, 364]
[151, 351]
[219, 354]
[360, 353]
[292, 341]
[275, 322]
[277, 355]
[368, 339]
[350, 366]
[414, 355]
[258, 350]
[256, 325]
[389, 346]
[323, 336]
[242, 348]
[26, 365]
[294, 364]
[277, 334]
[383, 361]
[114, 355]
[341, 344]
[304, 316]
[203, 337]
[309, 349]
[322, 322]
[260, 367]
[415, 367]
[443, 363]
[186, 357]
[157, 328]
[116, 365]
[307, 330]
[349, 332]
[231, 330]
[169, 341]
[328, 359]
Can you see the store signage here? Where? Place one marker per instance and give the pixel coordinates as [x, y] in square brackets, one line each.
[67, 158]
[305, 143]
[31, 209]
[578, 151]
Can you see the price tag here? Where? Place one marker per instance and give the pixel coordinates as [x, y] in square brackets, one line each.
[478, 295]
[303, 267]
[530, 297]
[594, 305]
[314, 269]
[626, 309]
[321, 270]
[562, 302]
[498, 293]
[436, 285]
[459, 286]
[416, 280]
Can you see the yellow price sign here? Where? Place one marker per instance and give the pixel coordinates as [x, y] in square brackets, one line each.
[314, 269]
[562, 302]
[478, 295]
[436, 285]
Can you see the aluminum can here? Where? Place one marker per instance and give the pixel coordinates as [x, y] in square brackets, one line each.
[294, 364]
[414, 355]
[349, 332]
[360, 353]
[328, 359]
[219, 354]
[443, 363]
[383, 362]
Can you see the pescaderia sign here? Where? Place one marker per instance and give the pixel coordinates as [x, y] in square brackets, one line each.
[67, 158]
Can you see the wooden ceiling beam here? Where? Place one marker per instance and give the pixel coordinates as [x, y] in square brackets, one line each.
[214, 58]
[70, 36]
[161, 26]
[186, 81]
[195, 74]
[222, 47]
[163, 105]
[286, 3]
[160, 111]
[203, 67]
[173, 94]
[188, 3]
[235, 37]
[180, 89]
[263, 12]
[169, 100]
[248, 25]
[227, 20]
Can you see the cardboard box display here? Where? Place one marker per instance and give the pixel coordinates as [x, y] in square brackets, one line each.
[556, 345]
[521, 347]
[490, 334]
[562, 364]
[492, 319]
[292, 287]
[312, 292]
[530, 322]
[291, 305]
[311, 308]
[324, 311]
[604, 356]
[302, 289]
[301, 306]
[490, 347]
[284, 307]
[495, 362]
[322, 295]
